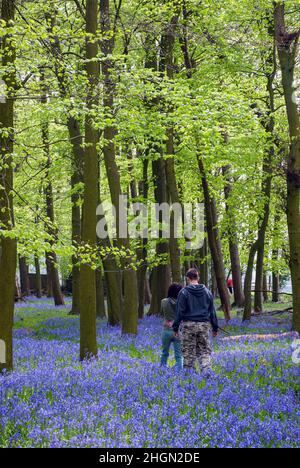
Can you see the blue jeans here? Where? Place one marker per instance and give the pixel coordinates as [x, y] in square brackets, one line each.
[168, 338]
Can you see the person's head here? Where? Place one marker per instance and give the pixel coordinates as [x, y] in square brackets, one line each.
[174, 290]
[192, 276]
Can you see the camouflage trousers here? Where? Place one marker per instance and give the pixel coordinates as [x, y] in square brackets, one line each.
[196, 345]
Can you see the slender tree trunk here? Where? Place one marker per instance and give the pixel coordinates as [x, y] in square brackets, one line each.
[174, 197]
[50, 225]
[49, 282]
[248, 283]
[275, 280]
[213, 282]
[88, 305]
[214, 241]
[142, 249]
[112, 275]
[161, 274]
[147, 291]
[101, 312]
[275, 257]
[266, 191]
[114, 297]
[239, 297]
[18, 294]
[269, 125]
[8, 245]
[265, 288]
[130, 311]
[76, 178]
[287, 46]
[24, 276]
[38, 279]
[203, 267]
[76, 141]
[167, 66]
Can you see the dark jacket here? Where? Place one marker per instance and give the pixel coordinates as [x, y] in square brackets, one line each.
[168, 309]
[195, 304]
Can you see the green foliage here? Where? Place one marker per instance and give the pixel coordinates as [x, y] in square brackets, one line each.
[228, 43]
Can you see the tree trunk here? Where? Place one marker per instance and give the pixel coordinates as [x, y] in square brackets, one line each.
[275, 256]
[76, 178]
[239, 297]
[18, 295]
[287, 46]
[266, 192]
[114, 297]
[265, 288]
[130, 311]
[24, 276]
[101, 313]
[167, 66]
[213, 282]
[142, 249]
[112, 276]
[8, 245]
[248, 283]
[203, 267]
[214, 241]
[147, 291]
[76, 141]
[49, 282]
[161, 274]
[88, 306]
[275, 282]
[50, 225]
[38, 279]
[269, 125]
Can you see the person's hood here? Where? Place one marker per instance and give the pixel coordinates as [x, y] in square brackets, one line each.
[196, 289]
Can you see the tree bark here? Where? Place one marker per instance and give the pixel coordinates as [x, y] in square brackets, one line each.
[101, 312]
[248, 283]
[287, 46]
[203, 267]
[24, 276]
[275, 281]
[161, 274]
[268, 123]
[214, 240]
[239, 297]
[142, 249]
[265, 288]
[76, 141]
[49, 282]
[88, 306]
[76, 178]
[8, 245]
[167, 66]
[130, 311]
[38, 279]
[50, 225]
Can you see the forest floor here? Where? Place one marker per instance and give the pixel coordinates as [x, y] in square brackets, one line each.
[124, 399]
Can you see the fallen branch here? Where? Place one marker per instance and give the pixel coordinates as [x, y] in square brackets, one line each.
[271, 292]
[259, 336]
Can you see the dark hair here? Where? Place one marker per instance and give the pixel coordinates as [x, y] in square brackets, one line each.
[192, 274]
[174, 290]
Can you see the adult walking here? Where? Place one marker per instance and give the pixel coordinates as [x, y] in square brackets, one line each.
[195, 309]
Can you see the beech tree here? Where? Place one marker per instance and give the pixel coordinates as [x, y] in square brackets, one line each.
[287, 47]
[8, 248]
[88, 307]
